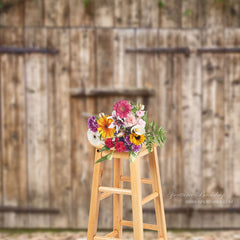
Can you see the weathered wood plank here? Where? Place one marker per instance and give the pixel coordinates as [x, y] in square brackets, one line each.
[127, 14]
[104, 78]
[82, 76]
[212, 121]
[104, 13]
[81, 14]
[192, 13]
[233, 16]
[59, 127]
[13, 129]
[170, 14]
[149, 13]
[37, 126]
[231, 120]
[12, 13]
[33, 13]
[56, 13]
[190, 132]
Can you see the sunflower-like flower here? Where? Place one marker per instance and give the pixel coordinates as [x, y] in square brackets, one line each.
[103, 127]
[137, 139]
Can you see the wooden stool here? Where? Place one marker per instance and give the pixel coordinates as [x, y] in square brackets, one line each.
[100, 192]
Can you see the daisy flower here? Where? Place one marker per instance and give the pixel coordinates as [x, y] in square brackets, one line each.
[103, 127]
[94, 138]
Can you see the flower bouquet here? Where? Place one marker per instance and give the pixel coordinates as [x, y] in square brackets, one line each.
[126, 130]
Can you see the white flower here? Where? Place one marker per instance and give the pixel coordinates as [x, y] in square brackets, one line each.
[94, 138]
[141, 106]
[138, 129]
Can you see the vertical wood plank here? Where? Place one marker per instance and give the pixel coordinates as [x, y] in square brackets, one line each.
[117, 198]
[104, 13]
[149, 13]
[233, 16]
[214, 12]
[33, 13]
[170, 16]
[81, 15]
[191, 126]
[212, 120]
[12, 13]
[59, 127]
[37, 126]
[56, 13]
[82, 76]
[136, 199]
[104, 78]
[232, 113]
[126, 14]
[158, 202]
[13, 129]
[95, 197]
[191, 13]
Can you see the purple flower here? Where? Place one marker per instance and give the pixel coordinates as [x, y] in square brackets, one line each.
[126, 148]
[127, 140]
[136, 148]
[92, 124]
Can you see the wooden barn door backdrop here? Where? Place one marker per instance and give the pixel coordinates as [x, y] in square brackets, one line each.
[58, 68]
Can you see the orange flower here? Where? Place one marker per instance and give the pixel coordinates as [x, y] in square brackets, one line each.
[104, 129]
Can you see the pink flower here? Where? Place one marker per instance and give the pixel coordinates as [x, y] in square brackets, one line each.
[140, 113]
[141, 122]
[122, 108]
[130, 120]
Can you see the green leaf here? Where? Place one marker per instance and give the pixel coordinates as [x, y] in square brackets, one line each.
[188, 12]
[104, 148]
[106, 157]
[161, 4]
[132, 156]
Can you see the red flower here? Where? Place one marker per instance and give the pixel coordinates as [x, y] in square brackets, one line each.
[109, 143]
[119, 146]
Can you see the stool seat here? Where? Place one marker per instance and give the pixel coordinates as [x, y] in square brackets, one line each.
[100, 192]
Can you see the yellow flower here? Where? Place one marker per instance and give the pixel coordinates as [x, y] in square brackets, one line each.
[137, 139]
[104, 130]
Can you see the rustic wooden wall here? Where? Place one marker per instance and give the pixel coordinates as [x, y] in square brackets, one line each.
[46, 161]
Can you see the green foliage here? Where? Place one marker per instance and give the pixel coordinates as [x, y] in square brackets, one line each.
[1, 4]
[188, 12]
[132, 156]
[153, 134]
[161, 4]
[106, 157]
[86, 2]
[104, 148]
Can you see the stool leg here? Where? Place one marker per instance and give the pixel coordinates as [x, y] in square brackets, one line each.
[117, 198]
[95, 198]
[159, 208]
[136, 200]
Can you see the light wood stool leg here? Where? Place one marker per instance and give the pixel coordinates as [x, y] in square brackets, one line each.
[158, 201]
[117, 198]
[95, 198]
[136, 200]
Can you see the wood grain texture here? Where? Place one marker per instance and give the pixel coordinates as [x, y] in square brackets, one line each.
[59, 127]
[170, 15]
[82, 76]
[212, 119]
[190, 119]
[104, 13]
[33, 13]
[13, 130]
[231, 121]
[81, 15]
[56, 13]
[232, 11]
[12, 13]
[37, 126]
[127, 14]
[149, 14]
